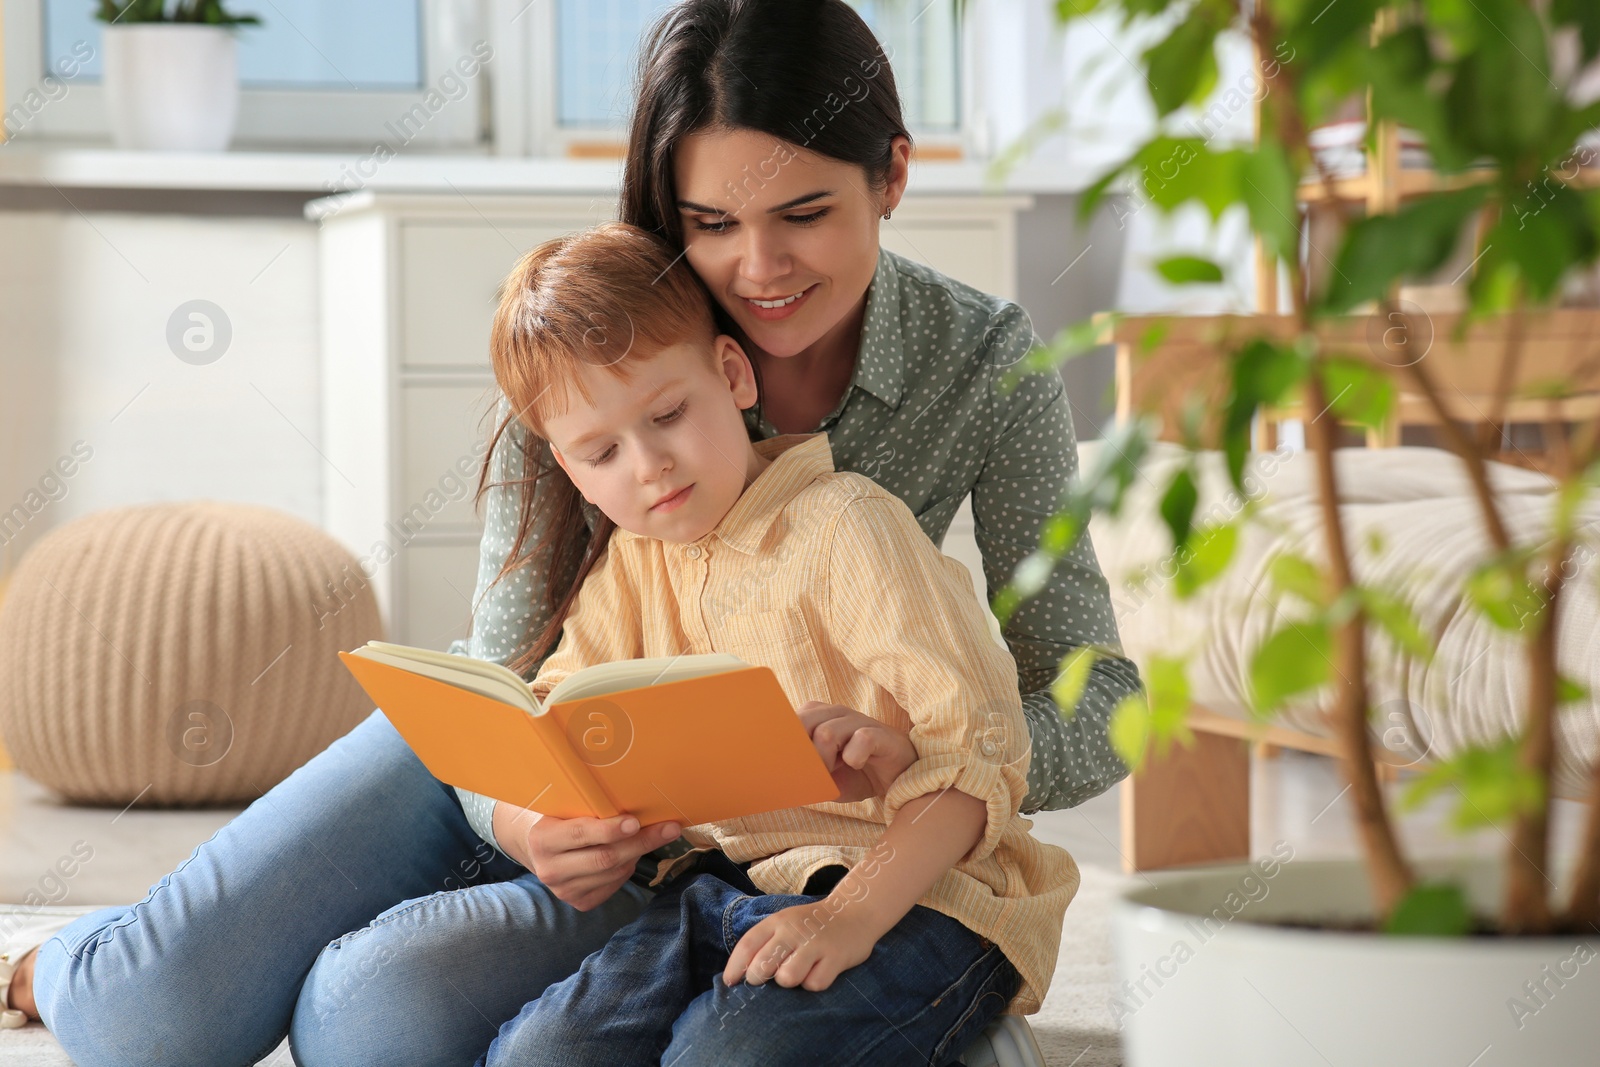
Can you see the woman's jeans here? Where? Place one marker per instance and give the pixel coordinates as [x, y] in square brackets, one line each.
[351, 908]
[655, 994]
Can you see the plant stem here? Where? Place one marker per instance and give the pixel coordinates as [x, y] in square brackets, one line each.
[1493, 434]
[1391, 876]
[1583, 907]
[1461, 444]
[1525, 908]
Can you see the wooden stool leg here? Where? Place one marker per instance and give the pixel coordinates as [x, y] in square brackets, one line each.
[1193, 806]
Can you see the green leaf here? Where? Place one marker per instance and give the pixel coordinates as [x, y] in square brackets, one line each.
[1493, 786]
[1569, 691]
[1129, 730]
[1321, 32]
[1179, 66]
[1267, 186]
[1585, 14]
[1176, 171]
[1073, 679]
[1067, 10]
[1542, 235]
[1501, 590]
[1431, 909]
[1398, 621]
[1177, 505]
[1380, 249]
[1261, 373]
[1358, 392]
[1167, 686]
[1183, 270]
[1294, 660]
[1204, 558]
[1401, 68]
[1501, 99]
[1298, 575]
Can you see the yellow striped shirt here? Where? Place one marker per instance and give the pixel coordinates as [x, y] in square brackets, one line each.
[826, 578]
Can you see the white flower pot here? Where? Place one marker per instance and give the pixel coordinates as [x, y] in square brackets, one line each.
[171, 86]
[1205, 979]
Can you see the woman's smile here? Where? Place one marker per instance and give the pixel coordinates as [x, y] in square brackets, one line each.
[773, 309]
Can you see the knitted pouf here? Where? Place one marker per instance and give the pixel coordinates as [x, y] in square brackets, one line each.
[180, 654]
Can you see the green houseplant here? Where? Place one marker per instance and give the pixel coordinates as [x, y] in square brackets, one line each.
[208, 12]
[171, 73]
[1487, 85]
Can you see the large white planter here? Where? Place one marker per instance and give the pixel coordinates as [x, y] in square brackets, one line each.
[1205, 981]
[171, 86]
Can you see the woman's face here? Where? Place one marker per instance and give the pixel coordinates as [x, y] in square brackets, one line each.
[785, 239]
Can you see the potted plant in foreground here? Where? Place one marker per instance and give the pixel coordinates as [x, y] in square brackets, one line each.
[171, 73]
[1391, 960]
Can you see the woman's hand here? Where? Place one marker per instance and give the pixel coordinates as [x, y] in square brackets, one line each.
[863, 755]
[582, 861]
[808, 944]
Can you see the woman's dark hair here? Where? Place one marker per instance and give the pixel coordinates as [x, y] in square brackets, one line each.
[808, 72]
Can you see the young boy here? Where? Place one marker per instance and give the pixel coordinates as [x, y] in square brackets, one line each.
[901, 923]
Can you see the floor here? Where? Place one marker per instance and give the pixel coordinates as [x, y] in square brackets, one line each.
[1299, 800]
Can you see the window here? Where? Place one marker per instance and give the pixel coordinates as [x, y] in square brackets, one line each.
[588, 50]
[301, 44]
[339, 74]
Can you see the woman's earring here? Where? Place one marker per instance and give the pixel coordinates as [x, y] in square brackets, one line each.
[886, 214]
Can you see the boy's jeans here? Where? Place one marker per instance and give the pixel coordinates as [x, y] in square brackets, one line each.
[655, 993]
[351, 907]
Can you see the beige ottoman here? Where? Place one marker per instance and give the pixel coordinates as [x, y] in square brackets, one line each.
[180, 654]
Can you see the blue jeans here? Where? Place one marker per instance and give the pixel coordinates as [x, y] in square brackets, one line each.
[350, 907]
[655, 994]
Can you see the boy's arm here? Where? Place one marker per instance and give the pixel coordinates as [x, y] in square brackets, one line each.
[905, 615]
[810, 944]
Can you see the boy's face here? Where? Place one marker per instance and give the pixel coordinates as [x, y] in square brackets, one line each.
[674, 425]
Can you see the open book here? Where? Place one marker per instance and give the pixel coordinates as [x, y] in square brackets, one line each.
[689, 738]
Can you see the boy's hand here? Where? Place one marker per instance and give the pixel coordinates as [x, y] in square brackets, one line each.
[807, 945]
[863, 755]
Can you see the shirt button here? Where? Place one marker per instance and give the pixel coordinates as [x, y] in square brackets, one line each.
[694, 551]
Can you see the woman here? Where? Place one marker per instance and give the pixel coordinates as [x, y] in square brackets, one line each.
[354, 906]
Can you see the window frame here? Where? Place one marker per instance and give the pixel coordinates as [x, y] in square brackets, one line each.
[279, 118]
[527, 92]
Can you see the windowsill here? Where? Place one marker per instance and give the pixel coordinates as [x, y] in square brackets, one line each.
[319, 173]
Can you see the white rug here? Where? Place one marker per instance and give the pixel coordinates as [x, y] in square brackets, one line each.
[1074, 1027]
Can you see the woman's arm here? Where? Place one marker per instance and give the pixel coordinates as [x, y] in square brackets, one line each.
[508, 615]
[1024, 478]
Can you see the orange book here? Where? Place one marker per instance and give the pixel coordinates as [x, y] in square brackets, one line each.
[689, 738]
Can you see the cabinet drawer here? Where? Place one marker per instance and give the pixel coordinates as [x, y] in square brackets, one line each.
[444, 433]
[440, 583]
[450, 274]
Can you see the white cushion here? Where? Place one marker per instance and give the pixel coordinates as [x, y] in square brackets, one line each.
[1417, 501]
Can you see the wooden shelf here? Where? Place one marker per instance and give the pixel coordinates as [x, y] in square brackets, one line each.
[1416, 182]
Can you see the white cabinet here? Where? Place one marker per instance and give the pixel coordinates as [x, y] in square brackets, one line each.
[408, 290]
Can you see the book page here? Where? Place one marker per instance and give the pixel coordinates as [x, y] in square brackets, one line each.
[493, 680]
[601, 678]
